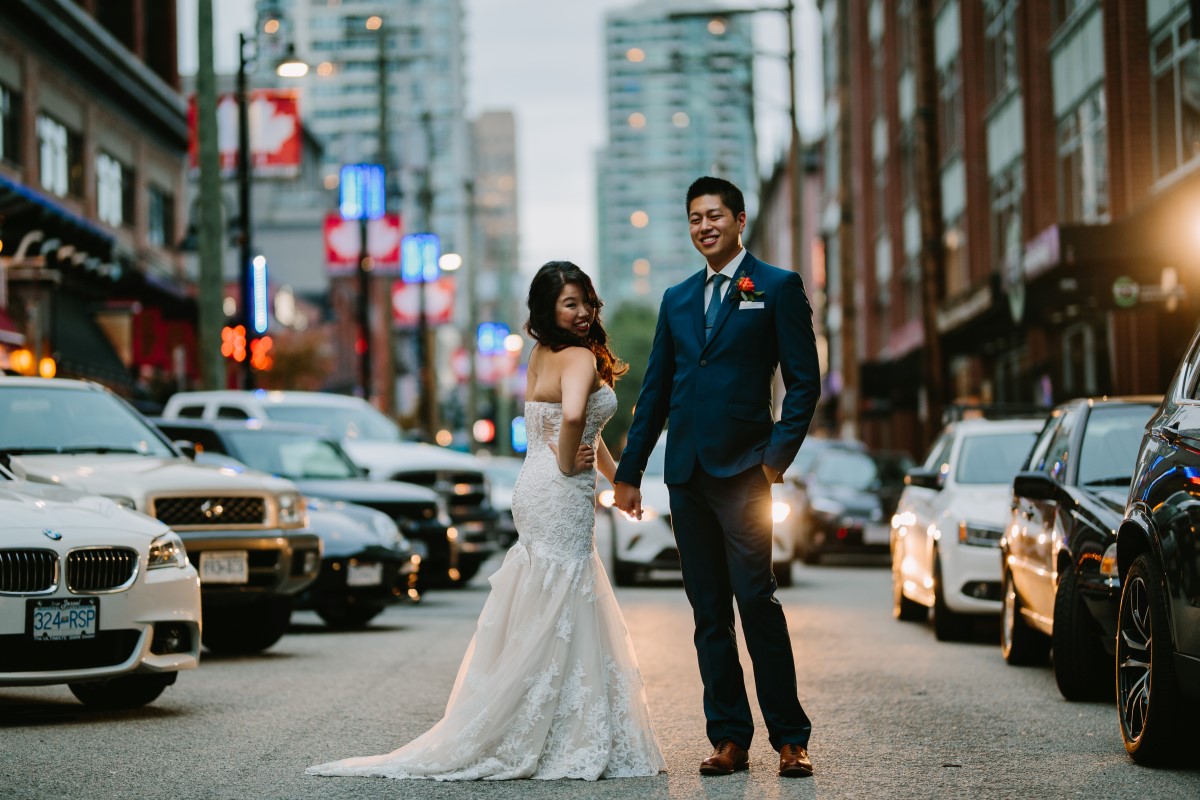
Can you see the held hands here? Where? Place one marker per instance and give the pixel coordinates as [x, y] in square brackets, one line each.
[628, 498]
[585, 459]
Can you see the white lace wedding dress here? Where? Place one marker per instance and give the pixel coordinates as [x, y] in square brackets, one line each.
[549, 687]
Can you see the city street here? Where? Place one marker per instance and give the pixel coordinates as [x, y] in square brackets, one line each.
[896, 713]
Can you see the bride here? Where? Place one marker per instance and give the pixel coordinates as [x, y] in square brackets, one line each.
[549, 687]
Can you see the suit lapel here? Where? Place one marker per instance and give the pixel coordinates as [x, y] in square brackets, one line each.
[732, 297]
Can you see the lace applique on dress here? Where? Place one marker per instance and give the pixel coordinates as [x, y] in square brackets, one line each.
[550, 687]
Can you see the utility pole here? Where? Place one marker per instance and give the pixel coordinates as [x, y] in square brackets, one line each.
[245, 312]
[471, 264]
[427, 406]
[929, 196]
[848, 424]
[212, 317]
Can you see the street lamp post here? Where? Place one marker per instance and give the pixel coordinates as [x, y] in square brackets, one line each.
[244, 241]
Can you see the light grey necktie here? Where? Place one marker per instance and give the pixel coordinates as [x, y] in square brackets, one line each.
[714, 303]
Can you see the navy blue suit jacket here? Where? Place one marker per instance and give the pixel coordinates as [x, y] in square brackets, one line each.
[717, 395]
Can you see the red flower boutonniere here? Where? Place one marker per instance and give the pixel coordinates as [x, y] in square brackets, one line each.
[745, 288]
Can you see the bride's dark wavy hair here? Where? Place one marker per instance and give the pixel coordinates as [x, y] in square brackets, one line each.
[547, 285]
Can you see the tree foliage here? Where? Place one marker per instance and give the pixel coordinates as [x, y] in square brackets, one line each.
[630, 335]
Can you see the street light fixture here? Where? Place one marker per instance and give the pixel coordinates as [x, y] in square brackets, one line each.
[247, 266]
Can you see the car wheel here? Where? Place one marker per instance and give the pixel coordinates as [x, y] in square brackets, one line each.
[904, 609]
[348, 618]
[782, 570]
[248, 628]
[1082, 668]
[127, 691]
[948, 625]
[1020, 644]
[1149, 702]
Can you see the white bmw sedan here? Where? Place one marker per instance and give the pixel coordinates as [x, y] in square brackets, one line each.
[947, 526]
[92, 595]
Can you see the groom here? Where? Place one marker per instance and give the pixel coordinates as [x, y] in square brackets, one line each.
[721, 334]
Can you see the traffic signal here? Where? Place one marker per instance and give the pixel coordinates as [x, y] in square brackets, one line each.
[233, 342]
[261, 356]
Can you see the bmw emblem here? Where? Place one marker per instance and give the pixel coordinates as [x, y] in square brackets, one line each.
[55, 535]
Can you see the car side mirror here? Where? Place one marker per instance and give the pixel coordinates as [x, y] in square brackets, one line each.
[188, 448]
[1034, 486]
[924, 478]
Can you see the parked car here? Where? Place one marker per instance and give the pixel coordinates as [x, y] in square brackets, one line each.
[843, 501]
[1156, 558]
[92, 595]
[320, 468]
[1068, 501]
[377, 445]
[245, 534]
[949, 521]
[639, 547]
[502, 472]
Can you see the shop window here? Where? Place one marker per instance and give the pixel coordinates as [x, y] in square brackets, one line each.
[161, 222]
[949, 80]
[60, 157]
[114, 191]
[1083, 161]
[1007, 191]
[10, 112]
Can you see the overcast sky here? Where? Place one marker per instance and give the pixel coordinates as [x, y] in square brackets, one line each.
[543, 59]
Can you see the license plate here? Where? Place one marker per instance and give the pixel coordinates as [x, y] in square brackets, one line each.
[876, 533]
[364, 574]
[224, 566]
[61, 620]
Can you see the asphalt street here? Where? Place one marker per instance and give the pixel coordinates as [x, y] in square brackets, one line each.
[896, 714]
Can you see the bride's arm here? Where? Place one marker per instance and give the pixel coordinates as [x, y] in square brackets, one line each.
[578, 378]
[605, 462]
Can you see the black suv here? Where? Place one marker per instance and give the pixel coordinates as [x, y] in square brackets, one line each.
[1157, 558]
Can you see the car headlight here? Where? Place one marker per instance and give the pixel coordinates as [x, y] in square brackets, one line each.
[123, 501]
[978, 535]
[167, 551]
[292, 511]
[389, 534]
[830, 508]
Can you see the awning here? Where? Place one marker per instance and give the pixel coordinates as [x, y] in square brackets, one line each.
[8, 331]
[81, 346]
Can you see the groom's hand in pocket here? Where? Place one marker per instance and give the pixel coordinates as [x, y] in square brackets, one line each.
[628, 498]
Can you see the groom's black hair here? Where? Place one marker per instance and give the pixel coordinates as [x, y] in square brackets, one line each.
[730, 195]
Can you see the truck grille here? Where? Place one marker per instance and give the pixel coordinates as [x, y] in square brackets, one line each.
[28, 571]
[210, 512]
[406, 514]
[464, 491]
[101, 569]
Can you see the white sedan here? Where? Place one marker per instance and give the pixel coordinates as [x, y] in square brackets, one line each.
[92, 595]
[634, 549]
[947, 526]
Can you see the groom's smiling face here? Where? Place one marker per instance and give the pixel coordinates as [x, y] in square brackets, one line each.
[716, 231]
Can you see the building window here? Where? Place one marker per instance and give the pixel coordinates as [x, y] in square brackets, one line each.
[1007, 190]
[10, 111]
[1083, 162]
[949, 80]
[161, 222]
[1061, 10]
[1000, 47]
[114, 191]
[60, 157]
[1175, 97]
[906, 34]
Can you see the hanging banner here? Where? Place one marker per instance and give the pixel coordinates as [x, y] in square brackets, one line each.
[406, 302]
[276, 143]
[343, 244]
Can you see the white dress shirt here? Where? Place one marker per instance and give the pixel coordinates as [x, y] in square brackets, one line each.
[729, 271]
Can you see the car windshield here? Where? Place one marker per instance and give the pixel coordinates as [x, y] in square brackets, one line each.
[291, 455]
[1110, 444]
[992, 457]
[48, 419]
[846, 468]
[364, 423]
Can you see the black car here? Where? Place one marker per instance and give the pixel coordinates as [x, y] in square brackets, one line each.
[1157, 559]
[845, 501]
[321, 469]
[1068, 500]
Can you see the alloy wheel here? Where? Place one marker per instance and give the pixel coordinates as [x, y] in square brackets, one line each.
[1134, 652]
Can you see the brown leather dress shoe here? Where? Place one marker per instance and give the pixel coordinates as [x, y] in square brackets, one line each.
[727, 759]
[794, 762]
